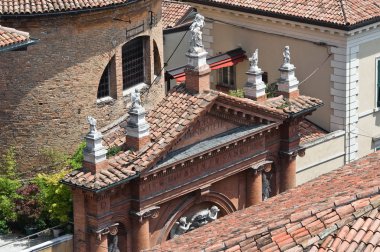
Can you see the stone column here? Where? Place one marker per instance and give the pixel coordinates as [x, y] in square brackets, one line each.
[288, 178]
[99, 244]
[254, 187]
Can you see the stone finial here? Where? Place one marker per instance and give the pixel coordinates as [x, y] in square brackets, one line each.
[137, 129]
[197, 70]
[287, 85]
[255, 87]
[95, 153]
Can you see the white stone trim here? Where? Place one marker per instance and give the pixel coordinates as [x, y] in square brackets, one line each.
[323, 139]
[344, 88]
[49, 244]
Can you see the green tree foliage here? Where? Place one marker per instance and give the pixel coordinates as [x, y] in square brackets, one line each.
[8, 187]
[76, 160]
[55, 196]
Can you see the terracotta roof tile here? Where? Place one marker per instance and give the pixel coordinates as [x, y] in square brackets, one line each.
[336, 12]
[313, 221]
[310, 132]
[27, 7]
[173, 13]
[11, 37]
[176, 113]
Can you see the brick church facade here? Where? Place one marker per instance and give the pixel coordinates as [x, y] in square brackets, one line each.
[197, 156]
[81, 65]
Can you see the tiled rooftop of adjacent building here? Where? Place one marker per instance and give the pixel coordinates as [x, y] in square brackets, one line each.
[12, 37]
[173, 12]
[168, 122]
[338, 211]
[337, 12]
[30, 7]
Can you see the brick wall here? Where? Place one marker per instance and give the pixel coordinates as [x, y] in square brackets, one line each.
[48, 90]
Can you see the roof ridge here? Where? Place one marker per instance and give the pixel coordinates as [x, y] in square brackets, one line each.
[343, 6]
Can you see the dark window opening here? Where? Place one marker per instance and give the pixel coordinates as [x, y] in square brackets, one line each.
[104, 83]
[157, 61]
[226, 77]
[133, 63]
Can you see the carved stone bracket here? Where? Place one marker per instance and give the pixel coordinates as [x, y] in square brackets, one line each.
[112, 230]
[146, 213]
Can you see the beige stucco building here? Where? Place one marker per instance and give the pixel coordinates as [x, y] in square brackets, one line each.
[335, 49]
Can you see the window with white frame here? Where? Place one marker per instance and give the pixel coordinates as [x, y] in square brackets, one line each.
[133, 63]
[226, 77]
[378, 82]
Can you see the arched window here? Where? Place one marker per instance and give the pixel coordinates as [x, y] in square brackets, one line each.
[104, 83]
[133, 63]
[157, 60]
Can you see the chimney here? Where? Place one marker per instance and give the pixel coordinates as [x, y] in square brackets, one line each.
[137, 129]
[94, 155]
[197, 70]
[255, 87]
[287, 85]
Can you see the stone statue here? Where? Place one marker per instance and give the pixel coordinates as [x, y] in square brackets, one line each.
[199, 219]
[286, 54]
[253, 61]
[92, 122]
[196, 32]
[113, 244]
[266, 185]
[136, 100]
[182, 227]
[204, 216]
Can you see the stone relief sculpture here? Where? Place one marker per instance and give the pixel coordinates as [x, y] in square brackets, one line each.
[199, 219]
[286, 54]
[254, 60]
[196, 32]
[92, 122]
[266, 185]
[136, 100]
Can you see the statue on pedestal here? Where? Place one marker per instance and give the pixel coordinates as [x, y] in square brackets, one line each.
[254, 60]
[136, 100]
[286, 54]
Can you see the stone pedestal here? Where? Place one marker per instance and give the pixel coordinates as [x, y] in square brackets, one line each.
[254, 188]
[141, 236]
[197, 70]
[288, 83]
[255, 87]
[94, 155]
[137, 129]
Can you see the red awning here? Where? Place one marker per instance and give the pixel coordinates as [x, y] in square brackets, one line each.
[227, 59]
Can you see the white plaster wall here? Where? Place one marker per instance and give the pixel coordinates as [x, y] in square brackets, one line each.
[306, 56]
[368, 52]
[368, 127]
[321, 158]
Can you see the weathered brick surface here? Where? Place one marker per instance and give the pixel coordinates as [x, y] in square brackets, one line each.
[48, 90]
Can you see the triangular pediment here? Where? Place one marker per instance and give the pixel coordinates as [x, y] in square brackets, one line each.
[205, 127]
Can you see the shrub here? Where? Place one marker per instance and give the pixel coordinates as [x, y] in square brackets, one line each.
[271, 89]
[28, 206]
[113, 151]
[237, 93]
[55, 196]
[76, 159]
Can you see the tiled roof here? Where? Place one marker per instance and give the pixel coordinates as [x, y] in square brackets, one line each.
[294, 105]
[173, 13]
[168, 122]
[310, 132]
[12, 37]
[27, 7]
[336, 12]
[338, 211]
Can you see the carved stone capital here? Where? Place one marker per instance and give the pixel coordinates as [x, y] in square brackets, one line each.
[146, 213]
[265, 165]
[111, 229]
